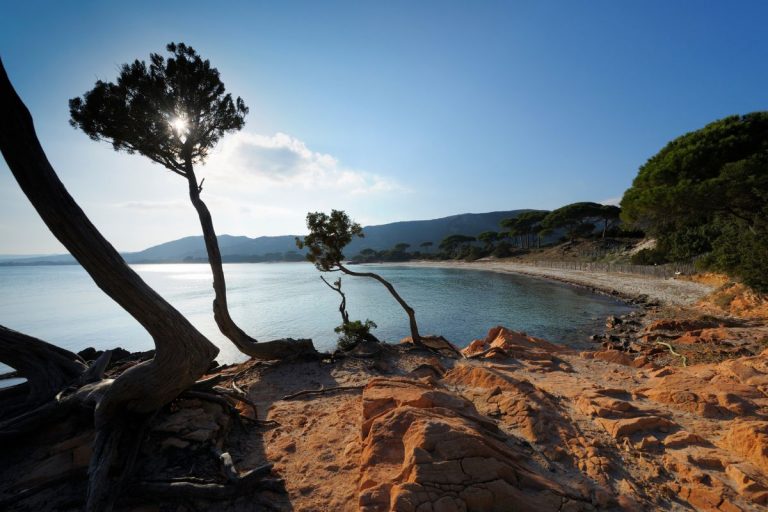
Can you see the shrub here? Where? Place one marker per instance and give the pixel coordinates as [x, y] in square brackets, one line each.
[648, 257]
[354, 332]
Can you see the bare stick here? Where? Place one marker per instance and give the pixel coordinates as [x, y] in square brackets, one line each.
[672, 351]
[321, 391]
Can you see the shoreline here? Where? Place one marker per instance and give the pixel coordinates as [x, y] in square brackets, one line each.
[628, 287]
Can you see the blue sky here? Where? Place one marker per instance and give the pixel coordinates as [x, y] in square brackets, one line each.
[389, 110]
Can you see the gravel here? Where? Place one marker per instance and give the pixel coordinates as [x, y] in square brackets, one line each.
[665, 291]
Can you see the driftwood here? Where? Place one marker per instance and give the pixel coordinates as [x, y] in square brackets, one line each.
[322, 391]
[488, 351]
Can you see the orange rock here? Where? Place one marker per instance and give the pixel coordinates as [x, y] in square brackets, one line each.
[750, 440]
[702, 390]
[614, 356]
[747, 484]
[474, 347]
[420, 453]
[682, 438]
[628, 426]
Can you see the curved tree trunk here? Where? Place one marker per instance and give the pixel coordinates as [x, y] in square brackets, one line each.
[276, 349]
[182, 354]
[343, 304]
[47, 368]
[408, 309]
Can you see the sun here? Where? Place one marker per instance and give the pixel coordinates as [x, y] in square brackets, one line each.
[179, 125]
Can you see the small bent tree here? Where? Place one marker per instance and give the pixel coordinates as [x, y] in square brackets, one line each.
[328, 235]
[174, 112]
[350, 332]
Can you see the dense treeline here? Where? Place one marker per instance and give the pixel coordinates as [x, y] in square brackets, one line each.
[705, 196]
[528, 230]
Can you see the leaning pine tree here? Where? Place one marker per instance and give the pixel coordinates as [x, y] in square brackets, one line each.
[59, 382]
[174, 112]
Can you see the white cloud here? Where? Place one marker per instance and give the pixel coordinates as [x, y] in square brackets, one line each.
[283, 161]
[153, 205]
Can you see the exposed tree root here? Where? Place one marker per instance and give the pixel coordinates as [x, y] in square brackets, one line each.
[185, 489]
[47, 368]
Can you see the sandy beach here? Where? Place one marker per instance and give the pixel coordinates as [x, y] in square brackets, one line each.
[665, 291]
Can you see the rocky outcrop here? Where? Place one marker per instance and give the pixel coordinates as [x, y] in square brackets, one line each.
[425, 449]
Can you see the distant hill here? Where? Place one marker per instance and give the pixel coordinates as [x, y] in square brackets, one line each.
[243, 248]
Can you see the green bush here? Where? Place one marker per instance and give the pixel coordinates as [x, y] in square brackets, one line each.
[354, 332]
[648, 257]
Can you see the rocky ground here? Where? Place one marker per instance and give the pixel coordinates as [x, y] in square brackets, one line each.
[669, 412]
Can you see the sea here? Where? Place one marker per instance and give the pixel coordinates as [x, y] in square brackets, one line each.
[62, 305]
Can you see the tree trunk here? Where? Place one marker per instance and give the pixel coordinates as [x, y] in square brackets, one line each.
[182, 354]
[343, 304]
[408, 309]
[47, 368]
[276, 349]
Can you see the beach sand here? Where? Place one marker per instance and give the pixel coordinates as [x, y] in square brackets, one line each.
[675, 292]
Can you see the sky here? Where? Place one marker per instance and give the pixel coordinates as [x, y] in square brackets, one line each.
[397, 110]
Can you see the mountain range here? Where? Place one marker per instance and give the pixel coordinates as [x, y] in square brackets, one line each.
[271, 248]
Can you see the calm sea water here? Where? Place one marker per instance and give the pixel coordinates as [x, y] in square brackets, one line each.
[61, 304]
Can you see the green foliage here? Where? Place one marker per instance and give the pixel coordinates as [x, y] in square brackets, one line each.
[706, 193]
[138, 112]
[401, 247]
[474, 253]
[502, 250]
[352, 333]
[741, 252]
[488, 238]
[576, 218]
[648, 257]
[456, 246]
[328, 235]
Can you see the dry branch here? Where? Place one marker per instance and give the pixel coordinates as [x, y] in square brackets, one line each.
[321, 391]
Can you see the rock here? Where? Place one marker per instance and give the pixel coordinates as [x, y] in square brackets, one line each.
[420, 456]
[681, 439]
[628, 426]
[748, 482]
[437, 343]
[748, 439]
[174, 442]
[613, 356]
[703, 391]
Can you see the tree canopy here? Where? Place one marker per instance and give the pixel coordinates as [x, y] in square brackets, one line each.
[706, 193]
[169, 110]
[328, 235]
[173, 111]
[577, 218]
